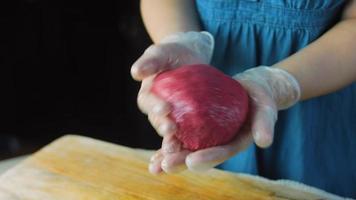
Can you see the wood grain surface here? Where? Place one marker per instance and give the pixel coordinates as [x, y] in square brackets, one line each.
[80, 168]
[9, 163]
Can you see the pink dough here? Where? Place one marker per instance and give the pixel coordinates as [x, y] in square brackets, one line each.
[208, 106]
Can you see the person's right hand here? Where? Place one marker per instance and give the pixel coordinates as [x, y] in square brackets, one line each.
[173, 51]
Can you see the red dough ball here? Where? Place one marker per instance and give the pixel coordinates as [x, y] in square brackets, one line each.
[208, 106]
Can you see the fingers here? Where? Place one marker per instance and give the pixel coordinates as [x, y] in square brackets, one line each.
[149, 103]
[162, 124]
[169, 159]
[171, 144]
[175, 162]
[172, 158]
[155, 163]
[174, 155]
[208, 158]
[156, 109]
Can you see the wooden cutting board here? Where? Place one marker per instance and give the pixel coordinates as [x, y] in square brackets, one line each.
[80, 168]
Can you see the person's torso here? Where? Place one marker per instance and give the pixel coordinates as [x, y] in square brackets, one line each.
[315, 140]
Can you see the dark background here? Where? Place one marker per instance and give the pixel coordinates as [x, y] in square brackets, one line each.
[65, 70]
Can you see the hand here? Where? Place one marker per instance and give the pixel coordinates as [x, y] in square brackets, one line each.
[173, 51]
[270, 89]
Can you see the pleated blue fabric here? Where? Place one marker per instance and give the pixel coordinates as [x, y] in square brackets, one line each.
[315, 140]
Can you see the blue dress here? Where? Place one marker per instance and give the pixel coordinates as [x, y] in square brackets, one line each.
[315, 140]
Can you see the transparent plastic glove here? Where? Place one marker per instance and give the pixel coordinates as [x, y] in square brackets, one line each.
[173, 51]
[270, 89]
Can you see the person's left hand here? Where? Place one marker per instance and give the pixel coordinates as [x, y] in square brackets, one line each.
[270, 89]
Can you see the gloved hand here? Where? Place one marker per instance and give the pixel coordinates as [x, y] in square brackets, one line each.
[173, 51]
[270, 89]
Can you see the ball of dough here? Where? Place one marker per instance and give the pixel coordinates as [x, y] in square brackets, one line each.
[208, 106]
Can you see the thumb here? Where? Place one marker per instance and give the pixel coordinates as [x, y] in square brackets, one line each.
[150, 63]
[160, 57]
[263, 120]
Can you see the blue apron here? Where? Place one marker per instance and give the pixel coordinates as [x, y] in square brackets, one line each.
[315, 140]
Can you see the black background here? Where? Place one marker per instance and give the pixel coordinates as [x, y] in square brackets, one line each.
[65, 70]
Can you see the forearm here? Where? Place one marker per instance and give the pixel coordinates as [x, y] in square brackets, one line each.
[328, 64]
[165, 17]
